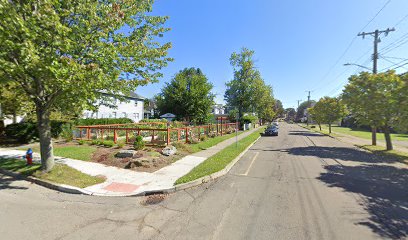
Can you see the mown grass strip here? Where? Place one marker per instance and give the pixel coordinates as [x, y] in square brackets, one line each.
[61, 174]
[211, 142]
[393, 154]
[220, 160]
[78, 152]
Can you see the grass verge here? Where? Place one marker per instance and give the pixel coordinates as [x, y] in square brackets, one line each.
[79, 152]
[355, 132]
[220, 160]
[211, 142]
[61, 174]
[400, 156]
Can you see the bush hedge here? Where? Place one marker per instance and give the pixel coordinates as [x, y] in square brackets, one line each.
[102, 121]
[27, 131]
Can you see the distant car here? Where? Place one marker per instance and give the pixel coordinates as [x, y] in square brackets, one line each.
[271, 131]
[275, 124]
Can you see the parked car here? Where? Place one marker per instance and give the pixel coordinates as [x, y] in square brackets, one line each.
[271, 131]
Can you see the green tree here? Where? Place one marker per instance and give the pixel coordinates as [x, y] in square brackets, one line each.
[327, 110]
[263, 101]
[279, 110]
[374, 99]
[301, 110]
[290, 114]
[239, 93]
[247, 91]
[188, 96]
[63, 54]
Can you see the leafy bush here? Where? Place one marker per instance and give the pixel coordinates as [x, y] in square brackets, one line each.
[81, 142]
[121, 144]
[27, 131]
[163, 120]
[249, 119]
[102, 121]
[139, 143]
[22, 132]
[95, 142]
[108, 144]
[203, 138]
[66, 132]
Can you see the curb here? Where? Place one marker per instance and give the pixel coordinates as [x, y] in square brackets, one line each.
[215, 175]
[76, 190]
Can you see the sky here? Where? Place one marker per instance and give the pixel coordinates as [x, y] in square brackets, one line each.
[299, 45]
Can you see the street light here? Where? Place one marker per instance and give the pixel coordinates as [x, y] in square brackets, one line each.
[358, 65]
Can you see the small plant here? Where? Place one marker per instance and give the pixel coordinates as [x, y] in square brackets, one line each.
[203, 138]
[212, 134]
[121, 144]
[139, 144]
[95, 142]
[81, 142]
[108, 144]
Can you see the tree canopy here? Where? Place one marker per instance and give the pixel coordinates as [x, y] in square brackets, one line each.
[188, 96]
[247, 91]
[327, 110]
[65, 53]
[375, 99]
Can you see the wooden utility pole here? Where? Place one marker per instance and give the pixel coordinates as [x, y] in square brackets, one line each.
[376, 34]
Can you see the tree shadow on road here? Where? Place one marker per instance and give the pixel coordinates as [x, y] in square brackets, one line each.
[305, 133]
[6, 181]
[343, 153]
[385, 195]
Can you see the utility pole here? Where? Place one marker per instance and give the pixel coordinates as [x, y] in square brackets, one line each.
[298, 102]
[308, 106]
[376, 34]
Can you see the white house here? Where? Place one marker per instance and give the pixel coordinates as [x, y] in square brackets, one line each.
[133, 108]
[218, 109]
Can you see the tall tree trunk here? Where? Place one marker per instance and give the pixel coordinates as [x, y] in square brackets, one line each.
[373, 136]
[320, 126]
[44, 130]
[329, 128]
[387, 137]
[14, 117]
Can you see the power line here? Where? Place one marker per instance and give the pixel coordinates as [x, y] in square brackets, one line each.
[350, 44]
[394, 64]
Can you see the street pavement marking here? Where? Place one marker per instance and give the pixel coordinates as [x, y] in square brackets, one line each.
[250, 165]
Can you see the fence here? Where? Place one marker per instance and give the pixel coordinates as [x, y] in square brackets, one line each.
[152, 135]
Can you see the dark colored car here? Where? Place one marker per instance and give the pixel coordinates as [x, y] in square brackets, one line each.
[271, 131]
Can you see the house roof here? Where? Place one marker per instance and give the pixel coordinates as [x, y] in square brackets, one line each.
[130, 95]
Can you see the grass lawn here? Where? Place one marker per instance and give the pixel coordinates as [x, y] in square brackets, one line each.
[79, 152]
[400, 156]
[361, 133]
[211, 142]
[61, 173]
[220, 160]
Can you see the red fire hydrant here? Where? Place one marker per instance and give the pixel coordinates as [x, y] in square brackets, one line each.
[29, 156]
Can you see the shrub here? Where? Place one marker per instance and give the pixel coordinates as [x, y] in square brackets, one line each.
[121, 144]
[22, 132]
[249, 119]
[212, 134]
[27, 131]
[108, 144]
[95, 142]
[66, 132]
[139, 143]
[203, 138]
[102, 121]
[81, 142]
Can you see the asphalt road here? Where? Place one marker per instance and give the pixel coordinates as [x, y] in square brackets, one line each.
[299, 185]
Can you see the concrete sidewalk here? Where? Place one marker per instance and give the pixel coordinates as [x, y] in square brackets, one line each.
[123, 182]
